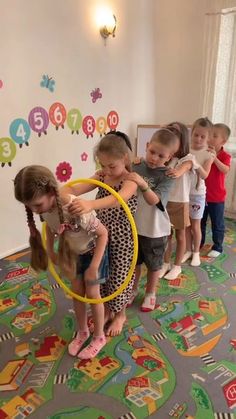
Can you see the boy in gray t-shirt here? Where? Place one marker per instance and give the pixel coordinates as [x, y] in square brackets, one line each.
[151, 218]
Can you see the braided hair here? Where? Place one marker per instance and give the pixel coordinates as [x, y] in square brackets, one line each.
[32, 182]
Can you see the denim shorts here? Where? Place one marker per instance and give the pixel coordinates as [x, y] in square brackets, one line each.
[196, 206]
[151, 251]
[85, 260]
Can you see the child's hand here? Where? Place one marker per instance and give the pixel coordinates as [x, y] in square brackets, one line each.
[137, 160]
[135, 177]
[173, 173]
[79, 207]
[212, 152]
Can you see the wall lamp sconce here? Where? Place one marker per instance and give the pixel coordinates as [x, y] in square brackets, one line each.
[109, 29]
[107, 24]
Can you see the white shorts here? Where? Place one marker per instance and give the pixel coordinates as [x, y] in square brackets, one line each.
[196, 206]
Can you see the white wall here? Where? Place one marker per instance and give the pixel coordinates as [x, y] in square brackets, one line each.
[179, 51]
[60, 38]
[149, 73]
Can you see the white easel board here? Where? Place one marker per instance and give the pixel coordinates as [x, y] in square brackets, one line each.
[144, 134]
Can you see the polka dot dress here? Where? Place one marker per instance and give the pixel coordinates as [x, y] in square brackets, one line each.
[120, 248]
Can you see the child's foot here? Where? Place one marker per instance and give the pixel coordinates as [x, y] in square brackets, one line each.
[186, 256]
[132, 298]
[149, 303]
[213, 254]
[174, 272]
[196, 261]
[165, 268]
[93, 348]
[76, 344]
[116, 325]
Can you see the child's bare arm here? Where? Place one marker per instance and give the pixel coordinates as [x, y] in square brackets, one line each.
[79, 206]
[221, 166]
[150, 197]
[80, 188]
[101, 242]
[204, 170]
[180, 170]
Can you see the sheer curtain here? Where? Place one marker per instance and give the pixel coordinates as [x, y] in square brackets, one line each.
[218, 89]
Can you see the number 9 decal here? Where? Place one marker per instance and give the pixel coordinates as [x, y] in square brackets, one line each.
[101, 125]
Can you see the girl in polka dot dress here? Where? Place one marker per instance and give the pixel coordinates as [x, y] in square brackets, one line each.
[113, 154]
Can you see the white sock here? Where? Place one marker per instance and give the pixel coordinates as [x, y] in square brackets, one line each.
[187, 256]
[174, 272]
[149, 302]
[165, 268]
[196, 261]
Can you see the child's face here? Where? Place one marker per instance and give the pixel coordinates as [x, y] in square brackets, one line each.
[199, 138]
[217, 139]
[157, 155]
[42, 203]
[112, 167]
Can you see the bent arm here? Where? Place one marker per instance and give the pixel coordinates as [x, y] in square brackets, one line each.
[80, 188]
[224, 168]
[101, 242]
[79, 207]
[204, 170]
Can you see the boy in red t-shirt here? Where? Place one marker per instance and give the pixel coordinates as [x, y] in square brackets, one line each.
[215, 189]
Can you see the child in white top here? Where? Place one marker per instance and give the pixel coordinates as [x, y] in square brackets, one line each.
[178, 204]
[86, 237]
[200, 136]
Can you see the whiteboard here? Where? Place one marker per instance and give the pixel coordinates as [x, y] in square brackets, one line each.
[144, 135]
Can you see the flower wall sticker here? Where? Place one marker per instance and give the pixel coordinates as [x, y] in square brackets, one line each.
[63, 171]
[84, 156]
[96, 94]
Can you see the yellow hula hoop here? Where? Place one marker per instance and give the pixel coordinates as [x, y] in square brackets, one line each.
[135, 253]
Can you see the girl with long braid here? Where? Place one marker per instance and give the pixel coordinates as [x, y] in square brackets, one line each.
[82, 249]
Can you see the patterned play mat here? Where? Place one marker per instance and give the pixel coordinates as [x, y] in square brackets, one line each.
[178, 361]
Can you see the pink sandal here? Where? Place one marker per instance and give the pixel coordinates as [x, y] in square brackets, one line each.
[93, 348]
[76, 344]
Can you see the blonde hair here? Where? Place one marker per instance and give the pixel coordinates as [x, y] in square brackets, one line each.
[226, 130]
[165, 137]
[32, 182]
[202, 122]
[116, 147]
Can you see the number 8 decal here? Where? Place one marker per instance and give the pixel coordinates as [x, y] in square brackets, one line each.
[88, 125]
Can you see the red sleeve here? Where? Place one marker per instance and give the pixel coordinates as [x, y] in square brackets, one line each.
[226, 159]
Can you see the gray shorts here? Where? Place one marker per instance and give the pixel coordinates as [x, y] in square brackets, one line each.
[151, 252]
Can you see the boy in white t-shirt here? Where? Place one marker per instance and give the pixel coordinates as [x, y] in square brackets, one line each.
[151, 218]
[201, 132]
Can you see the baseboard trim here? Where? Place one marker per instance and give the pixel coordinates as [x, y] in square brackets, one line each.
[12, 251]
